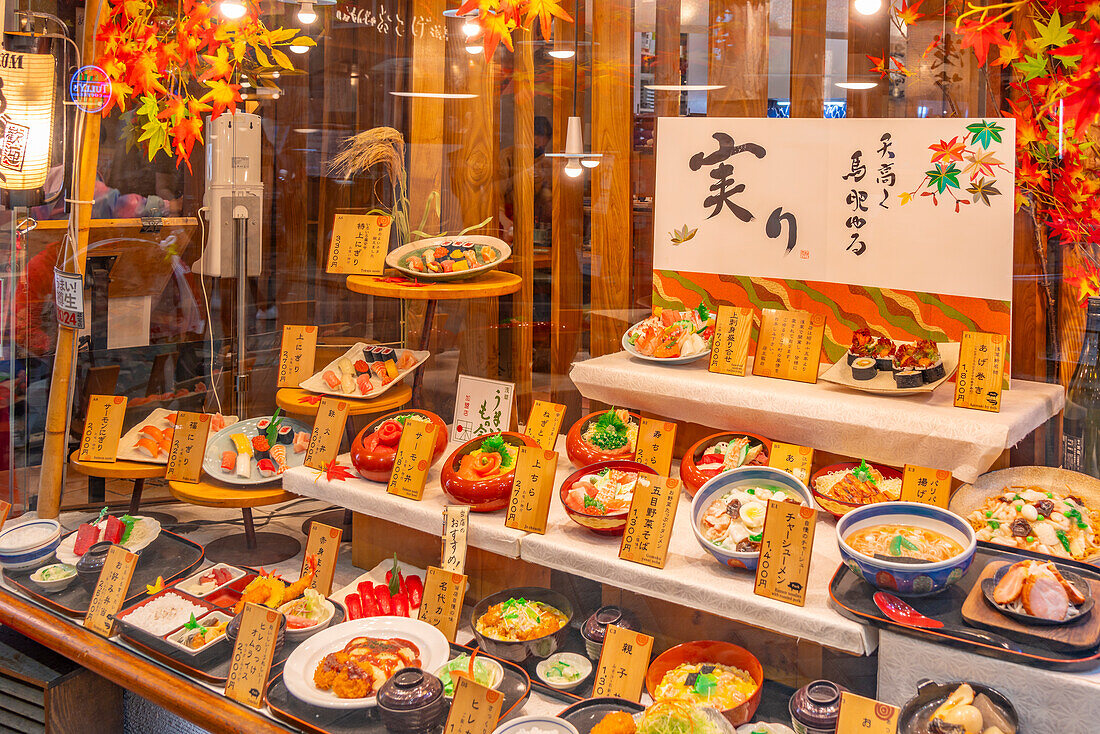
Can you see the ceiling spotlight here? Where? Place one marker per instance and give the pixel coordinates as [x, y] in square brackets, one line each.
[471, 27]
[474, 49]
[867, 7]
[297, 49]
[232, 9]
[307, 15]
[590, 162]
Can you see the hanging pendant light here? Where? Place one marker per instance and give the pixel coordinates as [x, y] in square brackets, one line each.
[26, 120]
[576, 160]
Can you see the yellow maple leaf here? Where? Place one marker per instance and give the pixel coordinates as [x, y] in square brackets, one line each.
[224, 95]
[905, 197]
[220, 65]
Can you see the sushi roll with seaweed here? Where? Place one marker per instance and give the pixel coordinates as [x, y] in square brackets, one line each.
[883, 352]
[864, 368]
[285, 435]
[267, 468]
[929, 361]
[862, 340]
[908, 377]
[262, 425]
[261, 449]
[229, 462]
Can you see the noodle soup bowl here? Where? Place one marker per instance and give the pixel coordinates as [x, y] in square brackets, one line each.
[521, 651]
[920, 578]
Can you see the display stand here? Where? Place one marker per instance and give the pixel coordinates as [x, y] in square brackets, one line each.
[491, 285]
[250, 548]
[135, 471]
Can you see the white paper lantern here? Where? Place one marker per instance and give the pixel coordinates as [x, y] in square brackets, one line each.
[26, 119]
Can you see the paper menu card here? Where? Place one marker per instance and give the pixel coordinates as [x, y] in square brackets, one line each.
[359, 244]
[328, 432]
[188, 447]
[655, 441]
[456, 522]
[414, 454]
[729, 349]
[624, 661]
[250, 661]
[789, 345]
[102, 428]
[481, 406]
[650, 519]
[296, 356]
[324, 546]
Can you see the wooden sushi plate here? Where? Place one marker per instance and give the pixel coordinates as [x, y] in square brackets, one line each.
[883, 383]
[1074, 636]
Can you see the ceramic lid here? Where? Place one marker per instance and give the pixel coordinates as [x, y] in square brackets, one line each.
[817, 704]
[408, 689]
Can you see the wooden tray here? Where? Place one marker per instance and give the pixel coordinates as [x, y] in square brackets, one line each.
[1072, 637]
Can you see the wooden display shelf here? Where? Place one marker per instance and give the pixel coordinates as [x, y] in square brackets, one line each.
[493, 284]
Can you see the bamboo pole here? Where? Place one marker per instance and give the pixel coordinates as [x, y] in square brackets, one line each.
[55, 445]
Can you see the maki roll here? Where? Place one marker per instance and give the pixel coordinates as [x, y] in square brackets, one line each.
[244, 466]
[908, 377]
[863, 368]
[883, 352]
[262, 425]
[285, 436]
[267, 468]
[862, 340]
[229, 462]
[261, 449]
[929, 361]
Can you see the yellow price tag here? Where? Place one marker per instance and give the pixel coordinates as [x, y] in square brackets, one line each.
[785, 551]
[623, 664]
[102, 428]
[410, 464]
[544, 423]
[441, 606]
[729, 350]
[323, 545]
[930, 486]
[789, 346]
[980, 379]
[793, 459]
[532, 487]
[359, 244]
[655, 441]
[649, 522]
[110, 590]
[188, 447]
[328, 432]
[859, 715]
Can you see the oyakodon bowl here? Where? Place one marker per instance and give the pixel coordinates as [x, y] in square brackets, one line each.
[377, 465]
[907, 579]
[613, 523]
[482, 495]
[918, 710]
[695, 474]
[745, 476]
[522, 651]
[714, 652]
[581, 453]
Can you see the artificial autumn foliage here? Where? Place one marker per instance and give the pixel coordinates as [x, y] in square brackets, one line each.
[169, 67]
[499, 18]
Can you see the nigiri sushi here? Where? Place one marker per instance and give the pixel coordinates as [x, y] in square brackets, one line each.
[244, 466]
[147, 447]
[301, 442]
[361, 367]
[241, 444]
[415, 263]
[471, 258]
[331, 379]
[152, 432]
[267, 468]
[363, 383]
[278, 455]
[487, 254]
[347, 384]
[345, 366]
[229, 462]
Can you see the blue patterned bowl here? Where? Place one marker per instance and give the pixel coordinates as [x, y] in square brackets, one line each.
[907, 579]
[745, 476]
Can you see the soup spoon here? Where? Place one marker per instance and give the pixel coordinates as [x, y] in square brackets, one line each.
[904, 614]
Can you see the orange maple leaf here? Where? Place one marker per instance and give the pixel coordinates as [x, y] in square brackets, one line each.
[185, 134]
[120, 90]
[908, 13]
[878, 64]
[221, 67]
[224, 95]
[498, 29]
[947, 151]
[1009, 51]
[546, 11]
[144, 76]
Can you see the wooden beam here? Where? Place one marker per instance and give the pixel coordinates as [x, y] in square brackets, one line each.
[807, 58]
[738, 58]
[612, 135]
[523, 218]
[667, 71]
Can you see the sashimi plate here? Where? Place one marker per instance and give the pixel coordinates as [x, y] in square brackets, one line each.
[146, 530]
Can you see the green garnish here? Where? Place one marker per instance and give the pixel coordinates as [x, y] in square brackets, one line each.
[705, 684]
[1031, 538]
[272, 432]
[994, 524]
[1082, 525]
[757, 538]
[395, 578]
[129, 522]
[1064, 540]
[751, 490]
[704, 312]
[989, 513]
[590, 502]
[497, 445]
[610, 432]
[899, 542]
[863, 473]
[192, 624]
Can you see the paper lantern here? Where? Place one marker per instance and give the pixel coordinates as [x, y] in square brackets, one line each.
[26, 119]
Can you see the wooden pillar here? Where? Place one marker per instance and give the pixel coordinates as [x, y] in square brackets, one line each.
[667, 72]
[867, 35]
[738, 58]
[523, 218]
[612, 135]
[807, 58]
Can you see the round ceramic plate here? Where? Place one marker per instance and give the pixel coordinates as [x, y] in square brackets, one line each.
[212, 462]
[299, 668]
[396, 259]
[149, 533]
[629, 349]
[1079, 583]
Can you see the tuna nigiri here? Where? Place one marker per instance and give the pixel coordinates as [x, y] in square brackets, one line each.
[267, 468]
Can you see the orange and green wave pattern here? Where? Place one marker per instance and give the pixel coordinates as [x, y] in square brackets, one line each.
[901, 315]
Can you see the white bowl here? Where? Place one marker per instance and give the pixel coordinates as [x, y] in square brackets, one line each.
[28, 536]
[583, 664]
[304, 632]
[55, 585]
[544, 723]
[496, 676]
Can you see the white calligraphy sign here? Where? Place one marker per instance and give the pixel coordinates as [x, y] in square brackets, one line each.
[481, 406]
[915, 204]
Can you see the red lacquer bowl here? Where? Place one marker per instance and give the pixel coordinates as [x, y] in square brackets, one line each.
[695, 475]
[377, 465]
[711, 651]
[482, 495]
[582, 453]
[839, 508]
[610, 524]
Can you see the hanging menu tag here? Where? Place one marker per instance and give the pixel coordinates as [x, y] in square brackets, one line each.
[649, 522]
[324, 546]
[789, 346]
[544, 423]
[110, 590]
[299, 347]
[328, 432]
[623, 664]
[475, 710]
[456, 520]
[930, 486]
[980, 379]
[441, 606]
[787, 542]
[793, 459]
[250, 662]
[532, 487]
[729, 350]
[102, 428]
[188, 447]
[859, 715]
[655, 441]
[410, 464]
[359, 244]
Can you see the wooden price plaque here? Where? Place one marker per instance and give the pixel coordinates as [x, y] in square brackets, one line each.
[793, 459]
[729, 350]
[930, 486]
[655, 441]
[324, 545]
[410, 464]
[296, 356]
[980, 379]
[859, 715]
[110, 590]
[359, 244]
[5, 508]
[476, 709]
[544, 423]
[328, 432]
[441, 606]
[456, 521]
[789, 346]
[188, 447]
[786, 547]
[623, 664]
[250, 662]
[532, 487]
[102, 428]
[649, 522]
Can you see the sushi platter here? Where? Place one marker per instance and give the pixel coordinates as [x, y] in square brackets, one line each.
[365, 371]
[449, 258]
[886, 367]
[150, 441]
[256, 451]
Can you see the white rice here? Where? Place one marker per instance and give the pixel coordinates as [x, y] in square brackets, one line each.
[164, 614]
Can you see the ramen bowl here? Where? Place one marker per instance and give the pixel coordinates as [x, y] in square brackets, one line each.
[613, 523]
[520, 652]
[746, 476]
[482, 495]
[713, 652]
[695, 474]
[918, 578]
[376, 464]
[582, 453]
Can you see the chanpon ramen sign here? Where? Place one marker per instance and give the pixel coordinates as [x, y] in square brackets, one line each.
[90, 89]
